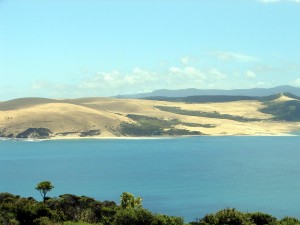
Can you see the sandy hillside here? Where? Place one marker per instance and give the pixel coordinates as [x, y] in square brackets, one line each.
[102, 117]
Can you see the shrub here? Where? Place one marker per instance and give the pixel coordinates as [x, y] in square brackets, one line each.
[166, 220]
[226, 217]
[261, 218]
[289, 221]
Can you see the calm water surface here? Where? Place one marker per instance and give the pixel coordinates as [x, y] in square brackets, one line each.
[186, 177]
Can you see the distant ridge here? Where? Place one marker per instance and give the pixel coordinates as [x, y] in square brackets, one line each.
[254, 92]
[204, 98]
[222, 98]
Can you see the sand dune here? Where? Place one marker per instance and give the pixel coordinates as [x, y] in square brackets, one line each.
[23, 103]
[101, 117]
[284, 98]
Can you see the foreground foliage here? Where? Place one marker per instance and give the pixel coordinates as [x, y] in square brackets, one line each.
[70, 209]
[233, 217]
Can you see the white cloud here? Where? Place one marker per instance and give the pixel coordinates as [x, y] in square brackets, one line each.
[137, 70]
[216, 74]
[116, 82]
[193, 72]
[139, 80]
[39, 85]
[296, 82]
[99, 80]
[260, 84]
[188, 71]
[185, 60]
[108, 77]
[250, 74]
[233, 56]
[174, 70]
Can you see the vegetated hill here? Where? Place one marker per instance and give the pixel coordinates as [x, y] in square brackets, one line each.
[288, 111]
[204, 98]
[254, 92]
[278, 96]
[108, 117]
[224, 98]
[152, 126]
[283, 106]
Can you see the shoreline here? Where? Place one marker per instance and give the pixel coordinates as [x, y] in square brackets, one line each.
[292, 134]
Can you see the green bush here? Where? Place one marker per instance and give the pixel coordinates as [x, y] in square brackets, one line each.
[261, 218]
[166, 220]
[140, 216]
[133, 216]
[226, 217]
[289, 221]
[43, 221]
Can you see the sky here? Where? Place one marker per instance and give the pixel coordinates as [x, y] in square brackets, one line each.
[89, 48]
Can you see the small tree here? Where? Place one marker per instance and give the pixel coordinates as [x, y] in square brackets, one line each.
[129, 201]
[44, 187]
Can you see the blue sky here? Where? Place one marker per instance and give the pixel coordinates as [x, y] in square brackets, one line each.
[80, 48]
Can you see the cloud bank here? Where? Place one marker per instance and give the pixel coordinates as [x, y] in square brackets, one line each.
[224, 70]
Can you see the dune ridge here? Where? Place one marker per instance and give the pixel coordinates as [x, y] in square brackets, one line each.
[111, 118]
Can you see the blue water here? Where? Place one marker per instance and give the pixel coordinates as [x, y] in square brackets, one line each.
[186, 177]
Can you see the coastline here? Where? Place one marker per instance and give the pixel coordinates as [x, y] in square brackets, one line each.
[173, 137]
[292, 134]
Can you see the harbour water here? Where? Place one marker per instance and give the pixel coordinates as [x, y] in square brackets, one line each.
[186, 177]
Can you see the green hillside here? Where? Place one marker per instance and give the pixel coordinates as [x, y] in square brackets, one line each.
[288, 110]
[152, 126]
[215, 114]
